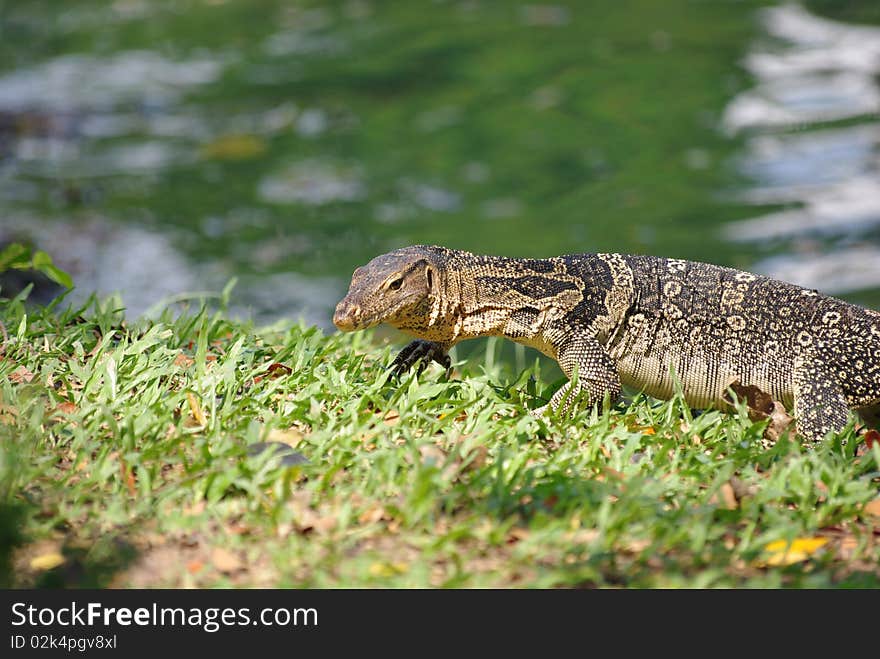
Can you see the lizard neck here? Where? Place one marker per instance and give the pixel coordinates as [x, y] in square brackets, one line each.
[471, 299]
[534, 301]
[498, 296]
[481, 307]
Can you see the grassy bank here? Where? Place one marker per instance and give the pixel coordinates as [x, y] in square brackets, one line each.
[140, 454]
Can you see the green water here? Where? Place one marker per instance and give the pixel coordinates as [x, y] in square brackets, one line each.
[288, 142]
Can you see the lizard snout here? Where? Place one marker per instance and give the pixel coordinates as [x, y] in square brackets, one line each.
[346, 316]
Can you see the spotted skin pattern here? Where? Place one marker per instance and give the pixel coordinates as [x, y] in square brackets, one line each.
[646, 322]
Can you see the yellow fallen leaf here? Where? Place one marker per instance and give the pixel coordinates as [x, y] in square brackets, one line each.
[47, 561]
[196, 409]
[388, 569]
[781, 552]
[234, 147]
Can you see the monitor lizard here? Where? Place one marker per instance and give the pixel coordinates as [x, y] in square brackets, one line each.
[650, 323]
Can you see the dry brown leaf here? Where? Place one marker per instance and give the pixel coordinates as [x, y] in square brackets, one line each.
[291, 436]
[127, 476]
[740, 489]
[276, 370]
[871, 437]
[480, 455]
[761, 406]
[309, 520]
[432, 454]
[183, 361]
[66, 408]
[225, 560]
[21, 374]
[873, 508]
[847, 548]
[237, 527]
[756, 400]
[325, 523]
[372, 515]
[195, 509]
[637, 545]
[728, 496]
[516, 534]
[583, 536]
[194, 566]
[613, 473]
[8, 414]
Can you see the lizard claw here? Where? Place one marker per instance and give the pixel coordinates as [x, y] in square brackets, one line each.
[421, 352]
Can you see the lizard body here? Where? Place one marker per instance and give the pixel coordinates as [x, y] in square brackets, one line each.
[640, 321]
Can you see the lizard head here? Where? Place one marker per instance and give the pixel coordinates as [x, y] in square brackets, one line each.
[395, 288]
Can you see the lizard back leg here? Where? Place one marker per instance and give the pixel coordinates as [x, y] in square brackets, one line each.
[591, 372]
[819, 402]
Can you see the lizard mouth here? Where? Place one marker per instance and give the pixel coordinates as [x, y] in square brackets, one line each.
[349, 316]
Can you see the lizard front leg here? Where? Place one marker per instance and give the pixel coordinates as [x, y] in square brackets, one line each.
[591, 372]
[819, 402]
[423, 352]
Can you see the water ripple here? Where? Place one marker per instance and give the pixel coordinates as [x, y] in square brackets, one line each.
[815, 71]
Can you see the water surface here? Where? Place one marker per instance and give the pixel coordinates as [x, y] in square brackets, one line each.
[162, 147]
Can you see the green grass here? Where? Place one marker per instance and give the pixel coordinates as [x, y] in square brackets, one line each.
[124, 462]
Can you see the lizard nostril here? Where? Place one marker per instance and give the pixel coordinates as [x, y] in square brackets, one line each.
[345, 316]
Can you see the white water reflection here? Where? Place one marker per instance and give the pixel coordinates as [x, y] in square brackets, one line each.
[816, 71]
[74, 106]
[45, 157]
[313, 182]
[145, 267]
[80, 82]
[311, 297]
[819, 70]
[841, 271]
[106, 257]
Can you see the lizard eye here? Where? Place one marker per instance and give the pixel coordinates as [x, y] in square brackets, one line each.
[395, 284]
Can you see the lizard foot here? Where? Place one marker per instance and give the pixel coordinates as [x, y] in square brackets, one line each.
[423, 352]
